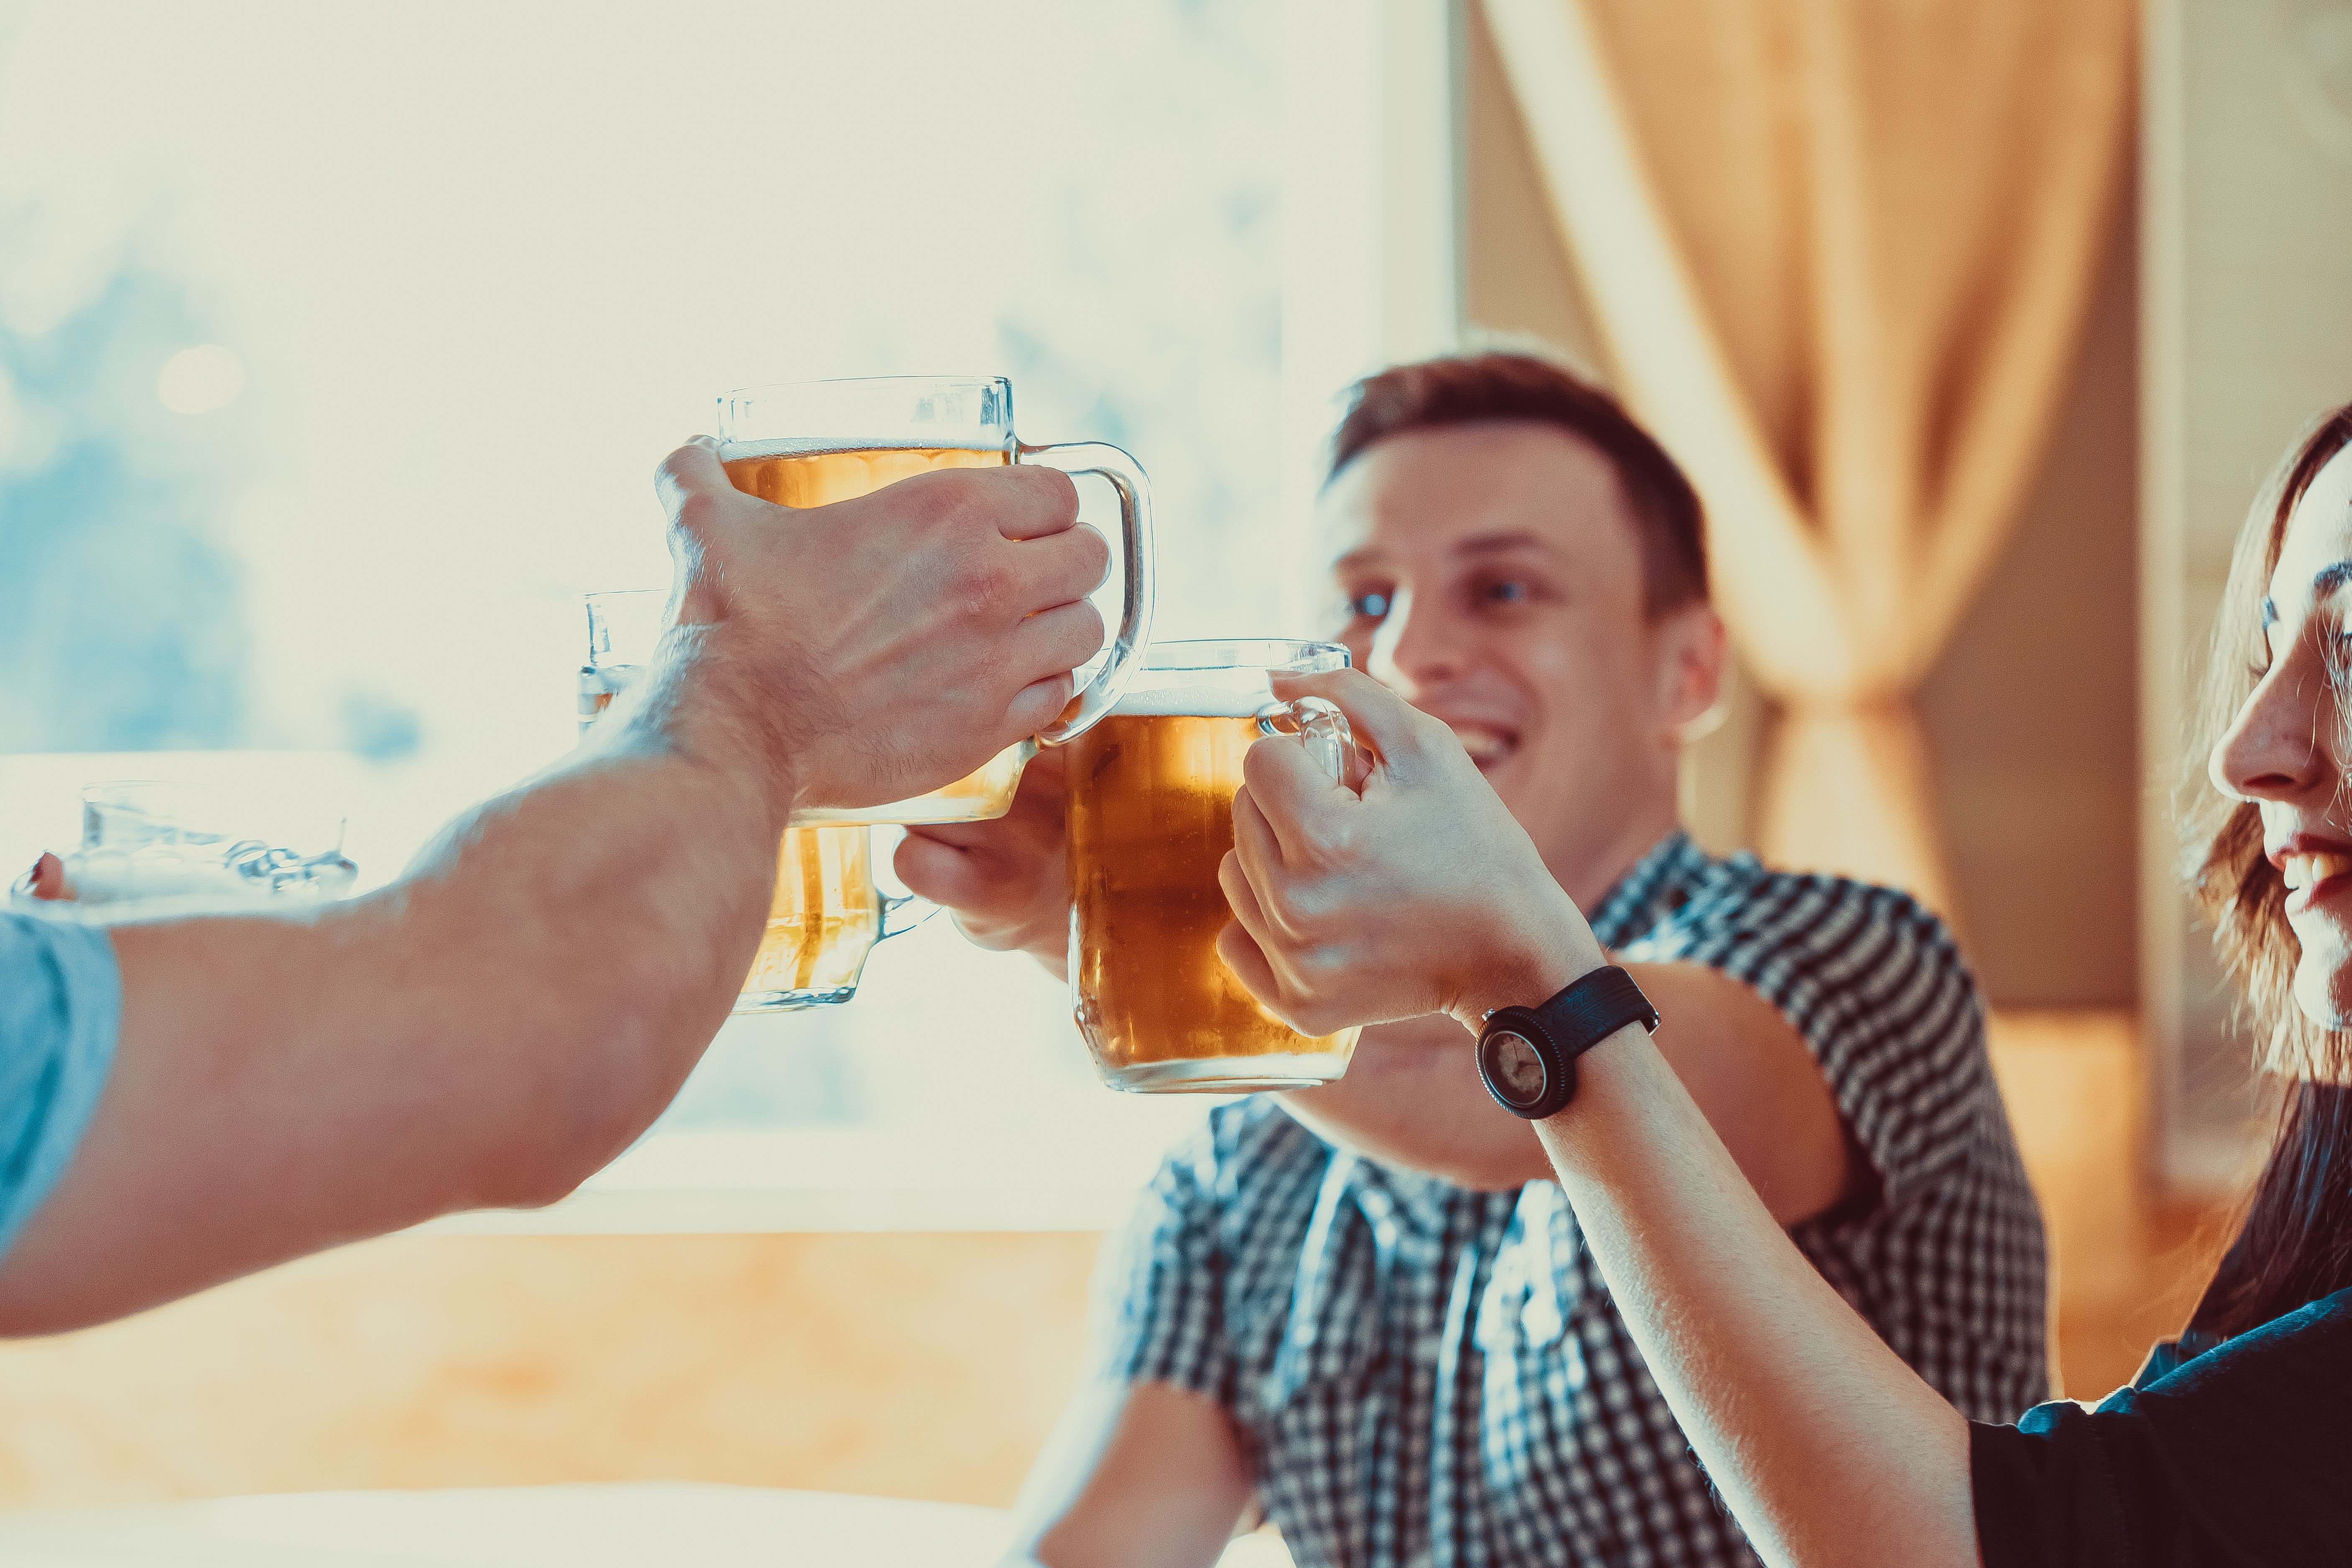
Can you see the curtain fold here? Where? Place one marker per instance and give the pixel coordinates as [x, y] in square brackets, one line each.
[1840, 253]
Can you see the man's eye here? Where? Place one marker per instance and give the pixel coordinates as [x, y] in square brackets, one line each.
[1371, 606]
[1508, 591]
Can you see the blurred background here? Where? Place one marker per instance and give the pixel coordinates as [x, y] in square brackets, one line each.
[337, 347]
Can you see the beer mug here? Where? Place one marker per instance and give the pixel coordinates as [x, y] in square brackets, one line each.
[827, 916]
[828, 911]
[1150, 817]
[811, 443]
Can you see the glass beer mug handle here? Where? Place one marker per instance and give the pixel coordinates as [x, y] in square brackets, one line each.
[1134, 633]
[1319, 726]
[914, 910]
[901, 911]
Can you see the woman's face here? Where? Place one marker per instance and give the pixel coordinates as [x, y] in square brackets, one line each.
[2288, 751]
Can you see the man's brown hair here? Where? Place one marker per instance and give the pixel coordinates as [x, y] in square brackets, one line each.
[1669, 523]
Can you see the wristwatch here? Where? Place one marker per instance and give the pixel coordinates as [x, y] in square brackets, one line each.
[1526, 1056]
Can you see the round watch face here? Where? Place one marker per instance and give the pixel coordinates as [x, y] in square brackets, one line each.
[1514, 1067]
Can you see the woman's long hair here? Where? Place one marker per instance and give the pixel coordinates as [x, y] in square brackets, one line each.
[2295, 1244]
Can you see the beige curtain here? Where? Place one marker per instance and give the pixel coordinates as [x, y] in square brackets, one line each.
[1839, 253]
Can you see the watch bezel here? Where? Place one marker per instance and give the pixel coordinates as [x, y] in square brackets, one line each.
[1559, 1068]
[1585, 1012]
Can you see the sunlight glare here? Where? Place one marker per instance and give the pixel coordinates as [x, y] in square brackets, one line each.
[200, 380]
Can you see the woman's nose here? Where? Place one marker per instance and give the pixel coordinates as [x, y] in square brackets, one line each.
[2279, 746]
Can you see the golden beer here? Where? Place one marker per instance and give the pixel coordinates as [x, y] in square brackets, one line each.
[775, 471]
[827, 913]
[787, 474]
[1151, 815]
[812, 443]
[824, 919]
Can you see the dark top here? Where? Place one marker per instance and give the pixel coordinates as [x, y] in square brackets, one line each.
[2242, 1456]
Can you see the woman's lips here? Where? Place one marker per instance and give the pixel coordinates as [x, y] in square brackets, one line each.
[2308, 875]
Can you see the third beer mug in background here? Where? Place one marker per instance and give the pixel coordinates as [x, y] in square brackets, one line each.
[805, 443]
[828, 911]
[824, 919]
[1150, 815]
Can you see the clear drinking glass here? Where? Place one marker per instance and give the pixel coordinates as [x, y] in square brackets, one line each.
[1151, 815]
[144, 840]
[811, 443]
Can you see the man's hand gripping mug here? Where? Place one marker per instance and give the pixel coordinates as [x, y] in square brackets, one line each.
[805, 443]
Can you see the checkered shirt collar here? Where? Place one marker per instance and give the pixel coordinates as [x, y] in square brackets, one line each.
[1658, 884]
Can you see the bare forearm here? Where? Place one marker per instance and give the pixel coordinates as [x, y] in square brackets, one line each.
[1407, 1097]
[488, 1031]
[1144, 1476]
[1827, 1448]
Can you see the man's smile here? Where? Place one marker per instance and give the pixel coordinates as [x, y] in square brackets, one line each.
[1489, 745]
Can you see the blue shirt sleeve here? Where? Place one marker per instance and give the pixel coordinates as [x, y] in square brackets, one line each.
[61, 1008]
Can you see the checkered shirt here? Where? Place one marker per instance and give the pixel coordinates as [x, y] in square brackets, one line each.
[1427, 1375]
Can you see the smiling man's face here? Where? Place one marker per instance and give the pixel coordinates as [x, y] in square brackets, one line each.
[1491, 574]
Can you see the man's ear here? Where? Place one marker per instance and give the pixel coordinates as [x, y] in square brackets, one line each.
[1692, 650]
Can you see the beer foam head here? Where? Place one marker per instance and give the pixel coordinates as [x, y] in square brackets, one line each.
[1192, 702]
[812, 446]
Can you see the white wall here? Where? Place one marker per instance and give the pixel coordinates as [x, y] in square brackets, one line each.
[1371, 223]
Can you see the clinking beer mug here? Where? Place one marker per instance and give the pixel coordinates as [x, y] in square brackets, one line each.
[811, 443]
[808, 443]
[827, 912]
[1150, 817]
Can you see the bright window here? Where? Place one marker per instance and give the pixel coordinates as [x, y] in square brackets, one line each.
[340, 344]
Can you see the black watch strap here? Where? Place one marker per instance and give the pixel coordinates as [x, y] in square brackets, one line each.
[1526, 1056]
